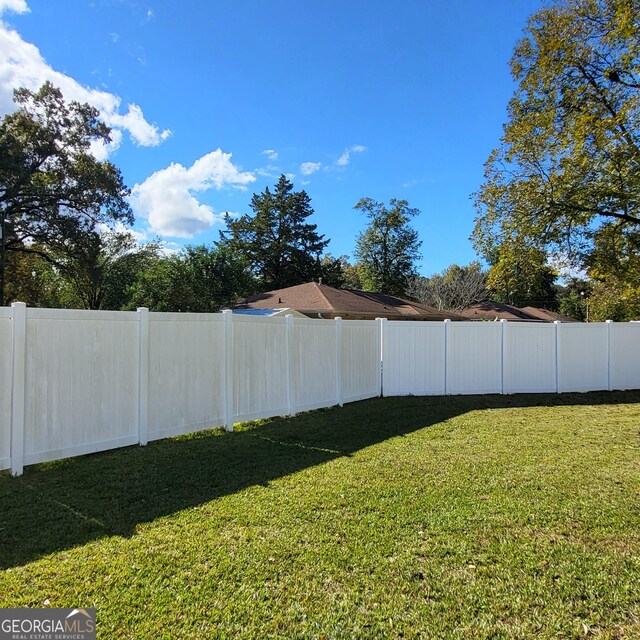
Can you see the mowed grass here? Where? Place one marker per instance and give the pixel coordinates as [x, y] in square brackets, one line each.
[457, 517]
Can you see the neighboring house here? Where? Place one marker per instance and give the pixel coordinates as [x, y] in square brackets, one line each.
[269, 313]
[500, 311]
[316, 300]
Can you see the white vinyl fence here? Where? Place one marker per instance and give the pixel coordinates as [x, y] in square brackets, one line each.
[75, 382]
[447, 358]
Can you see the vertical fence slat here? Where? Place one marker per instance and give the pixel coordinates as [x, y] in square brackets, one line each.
[143, 375]
[338, 322]
[557, 324]
[446, 324]
[380, 355]
[503, 338]
[228, 369]
[609, 326]
[18, 386]
[289, 320]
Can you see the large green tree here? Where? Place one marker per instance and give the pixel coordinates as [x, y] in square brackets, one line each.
[97, 271]
[198, 279]
[520, 276]
[101, 269]
[569, 159]
[282, 247]
[387, 251]
[52, 188]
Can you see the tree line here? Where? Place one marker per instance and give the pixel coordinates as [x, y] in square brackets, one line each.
[563, 185]
[65, 241]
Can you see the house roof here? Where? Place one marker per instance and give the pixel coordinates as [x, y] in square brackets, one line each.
[499, 311]
[315, 299]
[549, 316]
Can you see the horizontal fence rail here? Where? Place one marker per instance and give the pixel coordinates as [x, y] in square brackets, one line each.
[75, 382]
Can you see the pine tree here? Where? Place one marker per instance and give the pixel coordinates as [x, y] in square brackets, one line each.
[282, 248]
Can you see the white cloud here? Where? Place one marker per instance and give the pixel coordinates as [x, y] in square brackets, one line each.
[345, 158]
[270, 171]
[22, 65]
[271, 154]
[166, 197]
[307, 168]
[18, 6]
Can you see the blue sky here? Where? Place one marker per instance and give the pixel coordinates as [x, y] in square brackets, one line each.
[211, 100]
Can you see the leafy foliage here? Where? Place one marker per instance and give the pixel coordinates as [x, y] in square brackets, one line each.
[614, 265]
[389, 248]
[198, 279]
[573, 298]
[52, 189]
[569, 158]
[282, 248]
[97, 271]
[521, 277]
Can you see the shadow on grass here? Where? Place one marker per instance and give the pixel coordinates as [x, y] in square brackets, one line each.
[60, 505]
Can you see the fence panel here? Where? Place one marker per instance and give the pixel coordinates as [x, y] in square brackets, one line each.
[414, 358]
[6, 371]
[186, 373]
[474, 358]
[625, 356]
[259, 357]
[360, 359]
[583, 354]
[529, 357]
[313, 364]
[82, 380]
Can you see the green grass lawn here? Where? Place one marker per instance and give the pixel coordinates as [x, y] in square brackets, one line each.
[458, 517]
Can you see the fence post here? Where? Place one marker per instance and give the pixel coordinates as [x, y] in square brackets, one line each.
[18, 387]
[503, 339]
[609, 329]
[557, 324]
[447, 322]
[289, 364]
[382, 326]
[227, 315]
[338, 322]
[143, 375]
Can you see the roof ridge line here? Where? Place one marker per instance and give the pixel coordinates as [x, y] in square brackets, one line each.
[319, 286]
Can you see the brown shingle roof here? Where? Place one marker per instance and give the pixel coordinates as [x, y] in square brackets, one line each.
[497, 310]
[313, 298]
[500, 311]
[548, 316]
